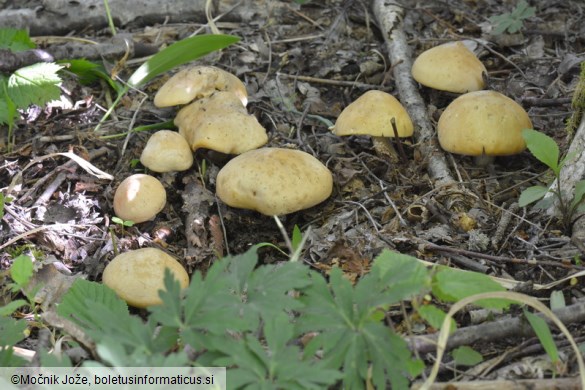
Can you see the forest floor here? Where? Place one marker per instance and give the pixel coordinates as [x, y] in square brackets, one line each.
[301, 68]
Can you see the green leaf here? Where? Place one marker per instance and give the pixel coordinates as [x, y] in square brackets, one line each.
[11, 307]
[15, 40]
[9, 359]
[35, 84]
[177, 54]
[11, 330]
[297, 237]
[532, 194]
[451, 285]
[8, 113]
[579, 193]
[543, 147]
[435, 316]
[544, 335]
[21, 270]
[89, 72]
[466, 356]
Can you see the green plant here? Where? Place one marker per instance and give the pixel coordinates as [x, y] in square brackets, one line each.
[513, 21]
[545, 149]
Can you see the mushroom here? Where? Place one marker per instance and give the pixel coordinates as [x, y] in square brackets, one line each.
[137, 276]
[197, 82]
[449, 67]
[373, 114]
[139, 198]
[167, 151]
[274, 181]
[221, 123]
[483, 124]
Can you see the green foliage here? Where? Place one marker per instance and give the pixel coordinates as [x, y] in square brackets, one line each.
[545, 149]
[121, 222]
[21, 271]
[15, 40]
[89, 72]
[513, 21]
[3, 201]
[466, 356]
[434, 316]
[297, 237]
[544, 335]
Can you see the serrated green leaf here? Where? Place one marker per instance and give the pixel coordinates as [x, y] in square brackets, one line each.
[11, 307]
[543, 147]
[35, 84]
[544, 335]
[11, 330]
[451, 285]
[21, 270]
[466, 356]
[179, 53]
[15, 40]
[557, 300]
[532, 194]
[435, 316]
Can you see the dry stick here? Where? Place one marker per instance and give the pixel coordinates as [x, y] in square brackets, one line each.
[343, 83]
[403, 157]
[389, 19]
[499, 259]
[521, 384]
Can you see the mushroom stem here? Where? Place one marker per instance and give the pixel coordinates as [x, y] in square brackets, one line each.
[483, 160]
[403, 157]
[384, 148]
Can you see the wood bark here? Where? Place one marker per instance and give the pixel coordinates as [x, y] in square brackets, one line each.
[62, 16]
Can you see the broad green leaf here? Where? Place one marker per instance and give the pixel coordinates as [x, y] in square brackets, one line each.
[35, 84]
[179, 53]
[435, 316]
[532, 194]
[89, 72]
[466, 356]
[11, 330]
[543, 147]
[21, 270]
[451, 285]
[557, 300]
[52, 360]
[11, 307]
[9, 359]
[15, 40]
[544, 335]
[8, 112]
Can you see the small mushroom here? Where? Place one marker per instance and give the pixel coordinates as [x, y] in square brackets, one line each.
[167, 151]
[274, 181]
[483, 124]
[449, 67]
[137, 276]
[373, 114]
[198, 82]
[139, 198]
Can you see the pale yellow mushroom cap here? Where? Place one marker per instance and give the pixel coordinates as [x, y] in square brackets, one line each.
[218, 103]
[197, 82]
[167, 151]
[449, 67]
[483, 122]
[371, 114]
[274, 181]
[137, 276]
[139, 198]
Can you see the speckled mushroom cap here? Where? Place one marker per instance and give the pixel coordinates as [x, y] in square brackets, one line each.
[139, 198]
[483, 122]
[218, 103]
[371, 114]
[137, 276]
[167, 151]
[197, 82]
[449, 67]
[274, 181]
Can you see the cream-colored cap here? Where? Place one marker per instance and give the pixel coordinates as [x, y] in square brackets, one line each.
[483, 122]
[274, 181]
[218, 103]
[139, 198]
[449, 67]
[371, 114]
[167, 151]
[197, 82]
[137, 276]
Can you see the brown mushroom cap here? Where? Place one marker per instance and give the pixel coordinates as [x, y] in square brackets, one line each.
[197, 82]
[371, 114]
[449, 67]
[167, 151]
[139, 198]
[483, 122]
[137, 276]
[274, 181]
